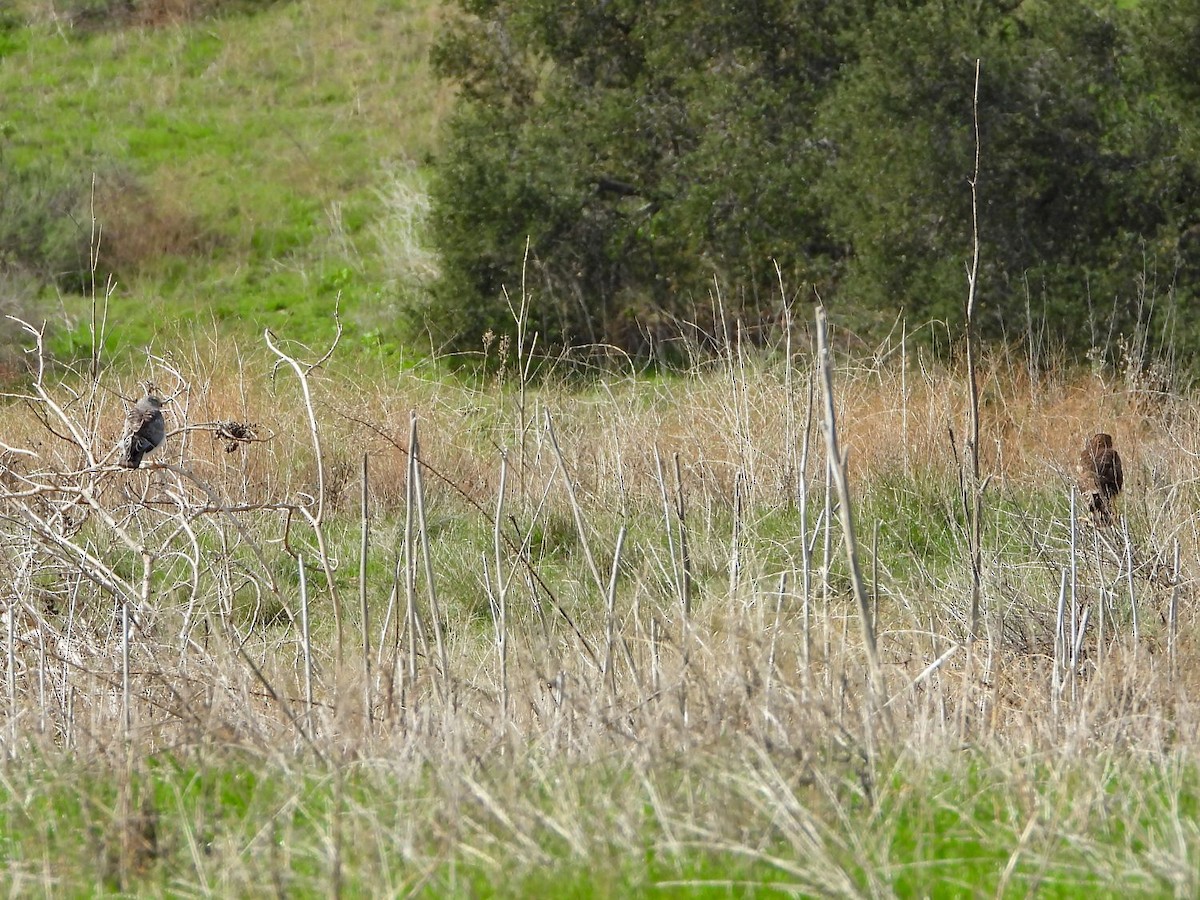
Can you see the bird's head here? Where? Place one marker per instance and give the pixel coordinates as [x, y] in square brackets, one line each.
[1101, 442]
[152, 395]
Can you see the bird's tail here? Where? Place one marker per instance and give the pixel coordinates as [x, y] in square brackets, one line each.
[1100, 507]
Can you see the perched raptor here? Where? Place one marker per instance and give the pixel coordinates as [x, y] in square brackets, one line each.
[1100, 477]
[144, 430]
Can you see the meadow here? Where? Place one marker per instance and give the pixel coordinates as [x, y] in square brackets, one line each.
[404, 634]
[368, 625]
[236, 171]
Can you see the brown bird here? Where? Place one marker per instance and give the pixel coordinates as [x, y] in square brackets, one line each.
[1100, 477]
[144, 431]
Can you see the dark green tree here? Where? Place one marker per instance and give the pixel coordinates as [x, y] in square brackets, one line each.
[623, 160]
[647, 151]
[1073, 189]
[1167, 41]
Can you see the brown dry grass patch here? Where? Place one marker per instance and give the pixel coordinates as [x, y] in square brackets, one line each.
[593, 660]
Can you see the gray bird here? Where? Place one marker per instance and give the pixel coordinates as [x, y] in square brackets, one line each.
[144, 431]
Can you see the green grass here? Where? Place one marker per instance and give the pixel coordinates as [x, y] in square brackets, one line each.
[274, 132]
[224, 822]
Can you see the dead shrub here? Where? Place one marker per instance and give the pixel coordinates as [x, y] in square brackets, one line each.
[140, 227]
[92, 16]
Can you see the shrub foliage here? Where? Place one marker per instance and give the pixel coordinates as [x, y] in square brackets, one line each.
[627, 161]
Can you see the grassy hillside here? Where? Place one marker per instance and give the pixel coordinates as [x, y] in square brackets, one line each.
[249, 166]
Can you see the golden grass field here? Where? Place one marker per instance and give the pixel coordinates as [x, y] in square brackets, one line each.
[537, 712]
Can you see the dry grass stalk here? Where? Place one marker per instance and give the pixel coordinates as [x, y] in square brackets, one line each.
[435, 613]
[316, 519]
[217, 664]
[364, 609]
[973, 491]
[837, 467]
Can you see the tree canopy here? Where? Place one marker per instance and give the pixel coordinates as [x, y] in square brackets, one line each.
[627, 161]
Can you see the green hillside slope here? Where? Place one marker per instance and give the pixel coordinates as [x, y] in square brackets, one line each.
[248, 162]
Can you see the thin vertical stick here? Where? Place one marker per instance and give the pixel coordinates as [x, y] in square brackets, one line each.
[805, 546]
[393, 596]
[736, 537]
[314, 430]
[685, 625]
[576, 510]
[414, 633]
[525, 358]
[685, 558]
[1077, 647]
[125, 714]
[875, 574]
[1059, 642]
[501, 593]
[1076, 629]
[826, 579]
[71, 737]
[1129, 580]
[1173, 611]
[306, 638]
[774, 639]
[904, 390]
[610, 611]
[427, 560]
[676, 566]
[97, 331]
[789, 418]
[147, 575]
[67, 669]
[975, 488]
[655, 676]
[837, 465]
[410, 565]
[1103, 601]
[10, 659]
[1074, 551]
[42, 705]
[363, 549]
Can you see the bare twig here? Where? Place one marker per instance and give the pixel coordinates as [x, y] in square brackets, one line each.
[974, 487]
[837, 465]
[317, 519]
[362, 592]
